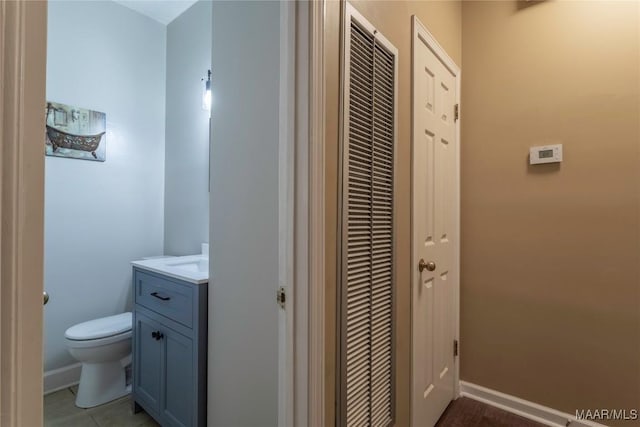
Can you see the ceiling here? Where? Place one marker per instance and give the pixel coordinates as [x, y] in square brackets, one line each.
[163, 11]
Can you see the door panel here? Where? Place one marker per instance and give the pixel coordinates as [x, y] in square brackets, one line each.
[367, 229]
[243, 377]
[177, 404]
[434, 180]
[149, 353]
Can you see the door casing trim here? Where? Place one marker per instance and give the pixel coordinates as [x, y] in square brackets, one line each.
[316, 206]
[23, 31]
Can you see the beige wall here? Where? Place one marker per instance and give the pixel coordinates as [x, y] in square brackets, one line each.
[550, 254]
[393, 19]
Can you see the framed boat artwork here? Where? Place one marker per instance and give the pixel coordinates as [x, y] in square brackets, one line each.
[75, 133]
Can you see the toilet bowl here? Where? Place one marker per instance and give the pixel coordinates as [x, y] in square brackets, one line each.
[101, 345]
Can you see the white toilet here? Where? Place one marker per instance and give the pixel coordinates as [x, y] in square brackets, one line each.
[101, 345]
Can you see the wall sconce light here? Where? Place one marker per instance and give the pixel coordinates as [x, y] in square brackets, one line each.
[206, 94]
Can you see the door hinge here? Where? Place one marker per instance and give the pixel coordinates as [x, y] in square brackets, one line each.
[455, 348]
[456, 112]
[281, 297]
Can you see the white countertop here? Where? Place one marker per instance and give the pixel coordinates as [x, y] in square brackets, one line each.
[192, 268]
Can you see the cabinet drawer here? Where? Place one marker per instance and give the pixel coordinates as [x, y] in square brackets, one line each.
[171, 299]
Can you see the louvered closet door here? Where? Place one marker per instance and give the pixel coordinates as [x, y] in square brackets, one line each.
[367, 228]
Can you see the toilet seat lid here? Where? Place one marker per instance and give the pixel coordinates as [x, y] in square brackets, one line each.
[100, 328]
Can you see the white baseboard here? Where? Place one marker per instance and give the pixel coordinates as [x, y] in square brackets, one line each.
[524, 408]
[57, 379]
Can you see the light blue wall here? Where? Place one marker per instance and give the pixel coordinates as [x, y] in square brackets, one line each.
[100, 216]
[187, 138]
[243, 314]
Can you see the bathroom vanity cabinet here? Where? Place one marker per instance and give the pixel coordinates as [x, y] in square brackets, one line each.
[169, 348]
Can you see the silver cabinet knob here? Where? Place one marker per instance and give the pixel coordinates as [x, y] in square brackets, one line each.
[45, 296]
[429, 266]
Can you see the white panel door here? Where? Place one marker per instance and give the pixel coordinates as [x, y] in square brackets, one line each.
[434, 228]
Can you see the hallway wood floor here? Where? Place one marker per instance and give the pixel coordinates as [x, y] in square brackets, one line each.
[465, 412]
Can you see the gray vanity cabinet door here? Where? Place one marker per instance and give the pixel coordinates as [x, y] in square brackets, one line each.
[178, 401]
[148, 353]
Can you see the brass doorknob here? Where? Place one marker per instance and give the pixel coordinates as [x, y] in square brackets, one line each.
[429, 266]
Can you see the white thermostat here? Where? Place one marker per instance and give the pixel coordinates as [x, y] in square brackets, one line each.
[545, 154]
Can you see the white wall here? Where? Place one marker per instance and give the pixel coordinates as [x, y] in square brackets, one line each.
[187, 133]
[100, 216]
[243, 314]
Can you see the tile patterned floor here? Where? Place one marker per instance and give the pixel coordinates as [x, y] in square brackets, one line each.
[60, 410]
